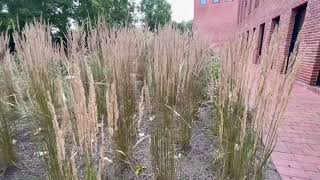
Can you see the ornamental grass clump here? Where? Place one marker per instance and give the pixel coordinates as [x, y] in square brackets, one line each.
[39, 61]
[251, 103]
[10, 109]
[60, 94]
[190, 86]
[175, 69]
[62, 90]
[162, 80]
[122, 49]
[174, 77]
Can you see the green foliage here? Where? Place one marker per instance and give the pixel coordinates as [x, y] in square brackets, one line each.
[24, 11]
[122, 12]
[90, 171]
[156, 13]
[184, 26]
[116, 12]
[15, 13]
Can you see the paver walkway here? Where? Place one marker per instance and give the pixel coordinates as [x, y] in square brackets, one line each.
[297, 154]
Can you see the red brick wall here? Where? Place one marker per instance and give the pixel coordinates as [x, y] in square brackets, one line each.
[309, 37]
[310, 45]
[216, 21]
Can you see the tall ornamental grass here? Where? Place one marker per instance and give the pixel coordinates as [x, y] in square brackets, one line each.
[8, 110]
[250, 105]
[84, 94]
[174, 69]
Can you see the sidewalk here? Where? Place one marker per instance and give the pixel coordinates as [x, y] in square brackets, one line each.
[297, 154]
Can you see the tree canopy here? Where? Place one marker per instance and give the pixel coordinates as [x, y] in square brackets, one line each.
[62, 13]
[20, 12]
[116, 12]
[184, 26]
[59, 12]
[156, 13]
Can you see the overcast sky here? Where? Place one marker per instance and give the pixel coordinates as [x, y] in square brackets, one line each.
[181, 9]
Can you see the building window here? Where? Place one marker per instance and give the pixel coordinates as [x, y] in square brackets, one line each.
[245, 8]
[261, 38]
[274, 27]
[247, 38]
[275, 24]
[256, 4]
[299, 16]
[203, 2]
[250, 6]
[215, 1]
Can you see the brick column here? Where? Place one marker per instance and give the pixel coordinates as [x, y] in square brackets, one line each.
[310, 45]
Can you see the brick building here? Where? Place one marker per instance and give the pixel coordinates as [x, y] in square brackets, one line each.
[219, 20]
[214, 20]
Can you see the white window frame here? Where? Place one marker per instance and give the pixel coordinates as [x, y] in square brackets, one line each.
[203, 2]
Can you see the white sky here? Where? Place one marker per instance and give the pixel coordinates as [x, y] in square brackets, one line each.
[181, 9]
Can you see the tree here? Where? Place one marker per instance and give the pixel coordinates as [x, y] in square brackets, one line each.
[122, 12]
[55, 12]
[156, 13]
[115, 12]
[59, 12]
[15, 13]
[189, 26]
[184, 26]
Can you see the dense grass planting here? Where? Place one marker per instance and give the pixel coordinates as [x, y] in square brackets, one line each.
[90, 93]
[90, 98]
[250, 105]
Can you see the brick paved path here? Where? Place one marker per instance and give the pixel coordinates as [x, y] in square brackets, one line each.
[297, 154]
